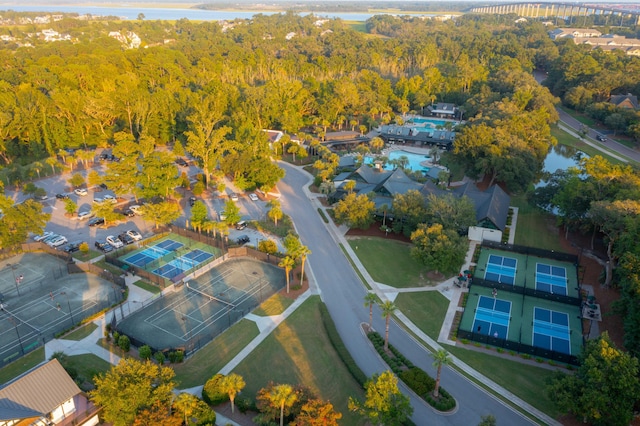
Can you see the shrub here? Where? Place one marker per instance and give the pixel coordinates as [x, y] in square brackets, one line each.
[198, 189]
[116, 336]
[211, 393]
[245, 404]
[84, 248]
[444, 403]
[159, 357]
[145, 352]
[338, 345]
[176, 357]
[124, 343]
[418, 380]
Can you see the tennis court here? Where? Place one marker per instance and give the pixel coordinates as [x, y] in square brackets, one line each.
[551, 330]
[552, 279]
[501, 269]
[492, 317]
[151, 253]
[204, 307]
[183, 263]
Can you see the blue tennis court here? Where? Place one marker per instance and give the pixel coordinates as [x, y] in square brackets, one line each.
[183, 263]
[551, 330]
[501, 269]
[151, 253]
[492, 316]
[552, 279]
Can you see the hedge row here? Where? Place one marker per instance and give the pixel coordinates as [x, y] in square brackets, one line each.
[417, 379]
[341, 349]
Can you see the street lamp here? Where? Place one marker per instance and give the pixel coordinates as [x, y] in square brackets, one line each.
[15, 279]
[69, 306]
[15, 325]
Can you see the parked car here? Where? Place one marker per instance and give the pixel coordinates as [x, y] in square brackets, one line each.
[103, 185]
[116, 243]
[42, 236]
[253, 197]
[192, 201]
[110, 199]
[80, 192]
[49, 238]
[57, 242]
[243, 239]
[128, 213]
[96, 221]
[181, 162]
[601, 138]
[42, 197]
[134, 234]
[233, 196]
[72, 247]
[62, 196]
[136, 209]
[103, 246]
[125, 238]
[241, 225]
[85, 215]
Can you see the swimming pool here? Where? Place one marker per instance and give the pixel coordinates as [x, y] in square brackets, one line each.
[430, 122]
[414, 160]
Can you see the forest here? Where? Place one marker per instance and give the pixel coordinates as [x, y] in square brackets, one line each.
[210, 88]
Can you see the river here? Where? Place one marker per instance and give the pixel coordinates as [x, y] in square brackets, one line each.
[153, 13]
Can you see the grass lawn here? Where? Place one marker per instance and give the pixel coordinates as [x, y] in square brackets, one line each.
[87, 366]
[85, 257]
[109, 267]
[275, 305]
[425, 309]
[525, 381]
[21, 365]
[535, 228]
[148, 286]
[584, 119]
[389, 262]
[565, 138]
[80, 333]
[299, 352]
[210, 359]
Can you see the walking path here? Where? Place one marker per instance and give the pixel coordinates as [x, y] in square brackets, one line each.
[137, 298]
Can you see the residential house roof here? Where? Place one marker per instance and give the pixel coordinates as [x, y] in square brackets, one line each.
[492, 204]
[41, 391]
[625, 101]
[573, 32]
[347, 161]
[368, 174]
[399, 183]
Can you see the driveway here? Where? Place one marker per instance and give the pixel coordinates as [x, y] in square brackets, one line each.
[343, 293]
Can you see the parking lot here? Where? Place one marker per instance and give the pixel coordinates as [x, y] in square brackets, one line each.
[75, 229]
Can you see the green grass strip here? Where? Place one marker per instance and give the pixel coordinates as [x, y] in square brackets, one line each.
[148, 286]
[81, 332]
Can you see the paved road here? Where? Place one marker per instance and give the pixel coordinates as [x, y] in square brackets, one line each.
[576, 126]
[343, 293]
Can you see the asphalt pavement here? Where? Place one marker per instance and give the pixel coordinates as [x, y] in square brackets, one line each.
[343, 293]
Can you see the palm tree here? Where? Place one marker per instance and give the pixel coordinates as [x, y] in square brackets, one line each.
[303, 252]
[369, 300]
[440, 358]
[287, 263]
[232, 385]
[283, 395]
[186, 403]
[37, 166]
[53, 162]
[377, 143]
[388, 308]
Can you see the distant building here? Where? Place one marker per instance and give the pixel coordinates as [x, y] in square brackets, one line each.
[627, 101]
[443, 110]
[573, 32]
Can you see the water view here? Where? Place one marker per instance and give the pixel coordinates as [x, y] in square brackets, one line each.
[151, 13]
[414, 160]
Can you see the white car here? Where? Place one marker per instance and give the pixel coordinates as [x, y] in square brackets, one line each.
[233, 196]
[253, 197]
[136, 209]
[115, 242]
[57, 242]
[134, 234]
[84, 215]
[43, 236]
[80, 191]
[110, 198]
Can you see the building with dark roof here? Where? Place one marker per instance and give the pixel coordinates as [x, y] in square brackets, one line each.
[628, 101]
[394, 134]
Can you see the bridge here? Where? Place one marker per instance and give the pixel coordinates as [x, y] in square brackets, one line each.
[604, 14]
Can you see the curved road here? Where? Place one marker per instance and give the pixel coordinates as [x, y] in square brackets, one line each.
[343, 293]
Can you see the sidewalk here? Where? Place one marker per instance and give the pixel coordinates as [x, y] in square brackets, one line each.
[451, 292]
